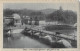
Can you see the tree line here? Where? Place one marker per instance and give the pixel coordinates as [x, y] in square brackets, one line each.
[68, 16]
[63, 16]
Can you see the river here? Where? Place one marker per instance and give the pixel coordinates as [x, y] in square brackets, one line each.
[21, 41]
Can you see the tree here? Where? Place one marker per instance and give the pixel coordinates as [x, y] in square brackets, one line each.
[7, 12]
[68, 17]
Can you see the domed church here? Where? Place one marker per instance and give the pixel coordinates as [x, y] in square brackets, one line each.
[17, 19]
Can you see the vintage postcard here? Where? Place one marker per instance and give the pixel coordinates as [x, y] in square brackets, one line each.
[40, 25]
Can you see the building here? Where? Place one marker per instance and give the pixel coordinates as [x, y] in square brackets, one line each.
[17, 19]
[25, 19]
[9, 20]
[42, 23]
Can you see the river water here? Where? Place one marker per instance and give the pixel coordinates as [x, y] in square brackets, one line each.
[21, 41]
[26, 42]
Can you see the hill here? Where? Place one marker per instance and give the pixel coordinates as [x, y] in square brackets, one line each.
[48, 11]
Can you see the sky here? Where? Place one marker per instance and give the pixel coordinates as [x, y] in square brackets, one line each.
[40, 6]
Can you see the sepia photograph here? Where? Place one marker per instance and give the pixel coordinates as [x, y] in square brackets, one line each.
[39, 25]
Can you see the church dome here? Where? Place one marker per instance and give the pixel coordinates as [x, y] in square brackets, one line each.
[16, 16]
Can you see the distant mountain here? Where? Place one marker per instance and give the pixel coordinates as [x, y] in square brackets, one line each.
[48, 11]
[41, 14]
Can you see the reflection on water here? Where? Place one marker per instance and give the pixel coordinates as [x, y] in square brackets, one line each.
[27, 42]
[24, 42]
